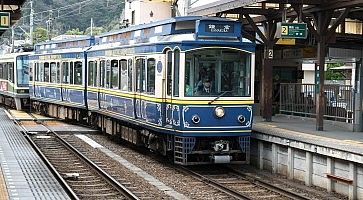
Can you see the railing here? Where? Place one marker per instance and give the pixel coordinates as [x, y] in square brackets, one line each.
[300, 99]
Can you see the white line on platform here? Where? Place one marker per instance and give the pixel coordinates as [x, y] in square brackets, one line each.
[152, 180]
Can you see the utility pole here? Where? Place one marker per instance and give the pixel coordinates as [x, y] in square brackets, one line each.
[91, 26]
[49, 25]
[31, 22]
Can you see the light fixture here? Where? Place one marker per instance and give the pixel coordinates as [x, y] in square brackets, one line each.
[219, 111]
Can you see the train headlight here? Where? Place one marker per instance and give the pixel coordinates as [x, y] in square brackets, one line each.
[241, 119]
[195, 119]
[219, 111]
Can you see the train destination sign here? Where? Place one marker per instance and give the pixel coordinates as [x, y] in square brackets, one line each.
[219, 28]
[213, 28]
[292, 30]
[4, 20]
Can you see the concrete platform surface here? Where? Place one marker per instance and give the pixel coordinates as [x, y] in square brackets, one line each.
[24, 175]
[304, 129]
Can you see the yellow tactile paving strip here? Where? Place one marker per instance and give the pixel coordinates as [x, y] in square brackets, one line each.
[3, 189]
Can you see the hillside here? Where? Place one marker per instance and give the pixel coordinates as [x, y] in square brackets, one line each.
[68, 15]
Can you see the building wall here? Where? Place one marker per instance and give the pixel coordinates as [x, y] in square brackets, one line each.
[160, 10]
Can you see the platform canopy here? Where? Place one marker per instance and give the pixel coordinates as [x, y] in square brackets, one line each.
[10, 13]
[266, 10]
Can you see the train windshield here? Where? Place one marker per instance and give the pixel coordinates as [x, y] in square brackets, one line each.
[218, 72]
[22, 69]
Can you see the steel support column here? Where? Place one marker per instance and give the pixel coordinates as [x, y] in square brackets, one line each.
[320, 106]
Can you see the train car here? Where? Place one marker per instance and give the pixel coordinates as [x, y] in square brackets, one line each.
[58, 71]
[14, 80]
[182, 87]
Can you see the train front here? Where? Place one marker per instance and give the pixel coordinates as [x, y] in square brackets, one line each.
[214, 111]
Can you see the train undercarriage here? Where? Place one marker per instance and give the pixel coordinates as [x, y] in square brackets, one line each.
[181, 149]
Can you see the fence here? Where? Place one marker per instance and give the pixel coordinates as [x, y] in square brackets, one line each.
[300, 99]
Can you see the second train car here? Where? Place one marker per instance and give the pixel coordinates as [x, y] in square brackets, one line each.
[182, 87]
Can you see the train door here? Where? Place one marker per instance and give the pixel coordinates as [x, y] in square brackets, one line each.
[140, 85]
[168, 91]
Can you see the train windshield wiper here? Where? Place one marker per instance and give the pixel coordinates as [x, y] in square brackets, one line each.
[223, 93]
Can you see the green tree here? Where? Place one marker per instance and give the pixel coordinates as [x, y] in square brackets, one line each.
[74, 31]
[40, 35]
[331, 74]
[95, 30]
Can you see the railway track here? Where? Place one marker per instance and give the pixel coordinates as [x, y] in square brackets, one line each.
[239, 185]
[81, 177]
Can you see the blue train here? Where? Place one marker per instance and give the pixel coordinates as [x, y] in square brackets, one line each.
[182, 87]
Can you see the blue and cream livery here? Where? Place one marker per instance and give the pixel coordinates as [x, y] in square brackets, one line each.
[183, 87]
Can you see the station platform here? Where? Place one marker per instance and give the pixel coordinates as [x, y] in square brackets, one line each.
[304, 130]
[30, 126]
[23, 174]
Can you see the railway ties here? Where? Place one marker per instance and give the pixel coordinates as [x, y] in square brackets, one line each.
[238, 186]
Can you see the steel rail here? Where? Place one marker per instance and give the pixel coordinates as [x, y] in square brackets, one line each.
[269, 186]
[52, 169]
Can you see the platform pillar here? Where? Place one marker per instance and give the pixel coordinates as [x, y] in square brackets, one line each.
[274, 158]
[308, 168]
[329, 170]
[17, 103]
[358, 97]
[260, 154]
[290, 163]
[353, 176]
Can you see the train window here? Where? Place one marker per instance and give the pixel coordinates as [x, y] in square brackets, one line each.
[169, 72]
[140, 74]
[71, 72]
[46, 72]
[108, 74]
[1, 71]
[11, 72]
[130, 69]
[95, 74]
[22, 69]
[41, 72]
[114, 74]
[65, 72]
[53, 72]
[124, 79]
[31, 71]
[176, 71]
[91, 73]
[150, 76]
[102, 71]
[36, 71]
[58, 72]
[214, 72]
[78, 73]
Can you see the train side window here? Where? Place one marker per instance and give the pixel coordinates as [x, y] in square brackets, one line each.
[1, 71]
[31, 71]
[71, 72]
[5, 71]
[114, 74]
[124, 78]
[65, 72]
[41, 72]
[176, 71]
[11, 72]
[53, 72]
[91, 73]
[95, 74]
[46, 72]
[58, 72]
[140, 74]
[102, 71]
[151, 76]
[78, 73]
[169, 72]
[108, 74]
[36, 71]
[130, 70]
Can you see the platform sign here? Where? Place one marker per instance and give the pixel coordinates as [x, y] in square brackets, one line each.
[4, 20]
[292, 30]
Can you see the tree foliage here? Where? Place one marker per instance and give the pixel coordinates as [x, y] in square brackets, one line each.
[40, 35]
[331, 74]
[74, 31]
